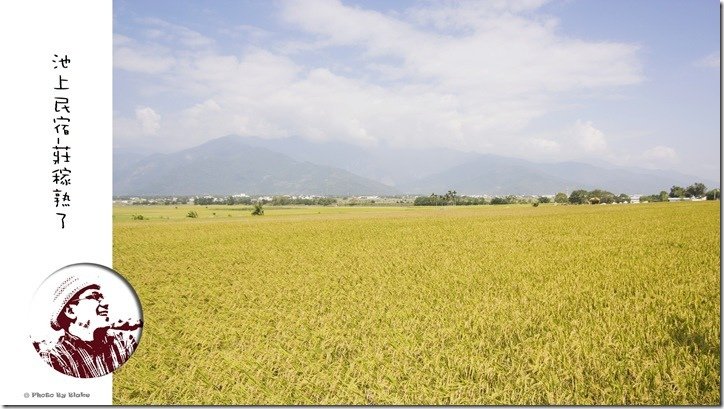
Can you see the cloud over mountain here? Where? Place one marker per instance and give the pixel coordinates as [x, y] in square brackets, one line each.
[460, 75]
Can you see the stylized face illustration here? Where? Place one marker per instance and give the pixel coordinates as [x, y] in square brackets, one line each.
[90, 309]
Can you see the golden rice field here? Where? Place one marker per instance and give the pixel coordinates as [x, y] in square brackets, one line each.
[401, 305]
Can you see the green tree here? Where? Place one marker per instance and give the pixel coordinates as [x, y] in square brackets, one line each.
[676, 191]
[603, 196]
[655, 198]
[560, 198]
[579, 196]
[280, 201]
[422, 201]
[544, 199]
[695, 190]
[623, 197]
[434, 199]
[713, 194]
[258, 209]
[450, 197]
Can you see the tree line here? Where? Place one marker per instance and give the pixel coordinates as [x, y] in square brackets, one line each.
[275, 201]
[451, 198]
[697, 190]
[578, 196]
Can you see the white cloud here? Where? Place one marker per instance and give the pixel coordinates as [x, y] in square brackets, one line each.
[205, 107]
[125, 129]
[710, 61]
[504, 54]
[154, 56]
[149, 120]
[129, 55]
[544, 145]
[661, 154]
[592, 140]
[161, 29]
[474, 82]
[466, 16]
[119, 40]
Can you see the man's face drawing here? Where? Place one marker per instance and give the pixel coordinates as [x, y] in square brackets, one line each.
[89, 309]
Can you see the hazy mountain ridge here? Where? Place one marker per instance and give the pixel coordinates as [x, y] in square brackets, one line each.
[392, 166]
[234, 164]
[228, 166]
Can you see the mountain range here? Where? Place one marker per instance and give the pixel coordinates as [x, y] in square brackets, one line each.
[227, 166]
[294, 166]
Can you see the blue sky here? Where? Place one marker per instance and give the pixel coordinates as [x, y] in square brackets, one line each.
[629, 83]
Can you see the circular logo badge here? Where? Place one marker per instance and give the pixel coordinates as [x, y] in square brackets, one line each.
[86, 320]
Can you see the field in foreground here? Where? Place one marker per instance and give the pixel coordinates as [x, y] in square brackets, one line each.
[477, 305]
